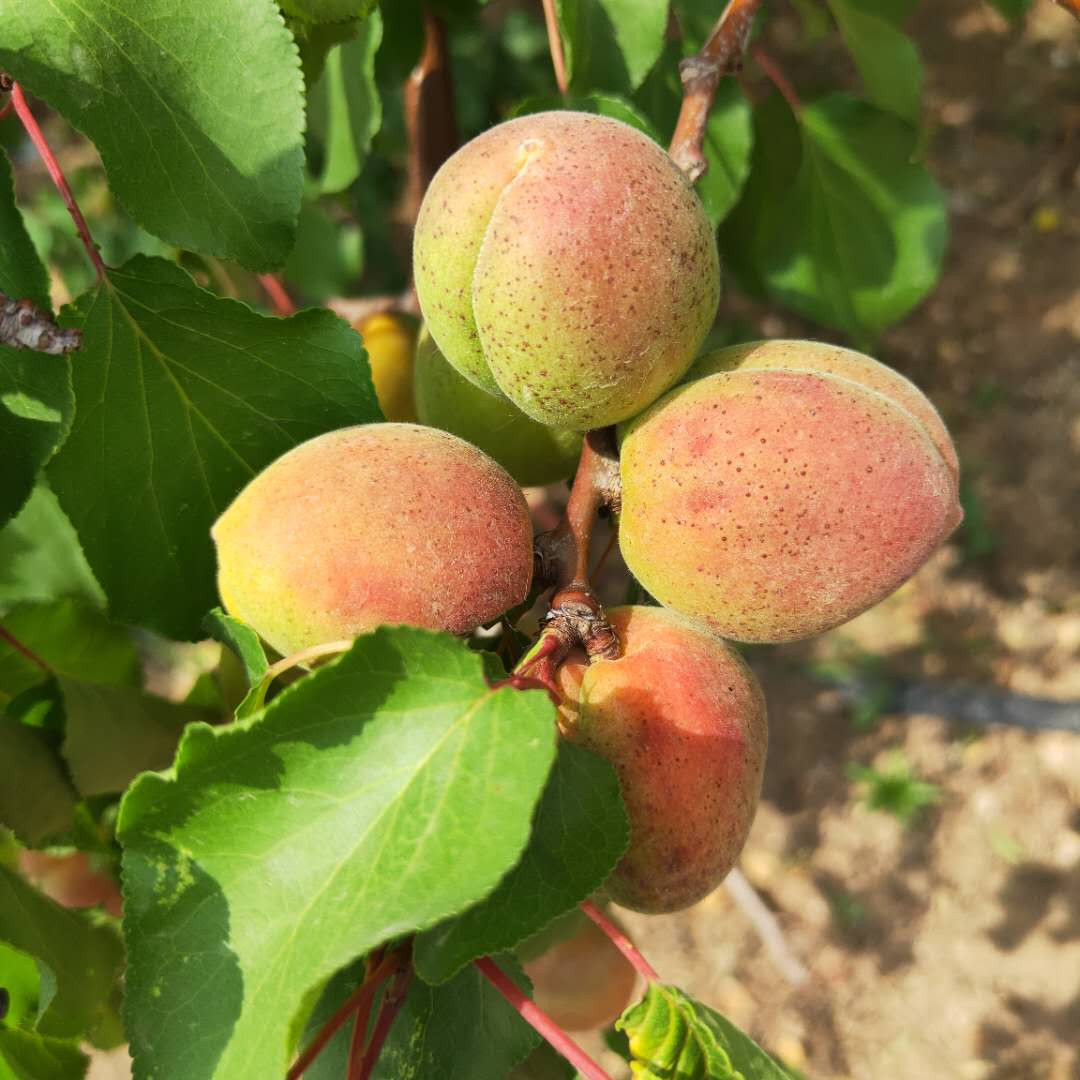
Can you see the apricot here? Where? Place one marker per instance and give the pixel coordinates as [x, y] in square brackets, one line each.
[682, 720]
[583, 982]
[793, 355]
[390, 342]
[386, 523]
[772, 504]
[563, 260]
[531, 453]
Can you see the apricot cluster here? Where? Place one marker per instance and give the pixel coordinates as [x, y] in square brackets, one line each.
[567, 276]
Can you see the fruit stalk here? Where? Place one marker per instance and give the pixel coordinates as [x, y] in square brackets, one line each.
[558, 59]
[620, 941]
[701, 74]
[56, 174]
[533, 1015]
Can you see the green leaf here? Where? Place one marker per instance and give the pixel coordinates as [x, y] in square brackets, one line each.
[580, 833]
[182, 398]
[37, 801]
[329, 10]
[611, 44]
[84, 959]
[25, 1055]
[462, 1030]
[885, 56]
[729, 132]
[544, 1063]
[40, 556]
[196, 109]
[674, 1036]
[1013, 10]
[611, 105]
[36, 401]
[113, 733]
[344, 107]
[838, 221]
[22, 274]
[374, 798]
[328, 256]
[242, 639]
[69, 639]
[19, 976]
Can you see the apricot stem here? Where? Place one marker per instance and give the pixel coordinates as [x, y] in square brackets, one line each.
[701, 74]
[359, 999]
[314, 652]
[281, 300]
[389, 1007]
[620, 941]
[19, 647]
[533, 1015]
[558, 58]
[56, 174]
[772, 71]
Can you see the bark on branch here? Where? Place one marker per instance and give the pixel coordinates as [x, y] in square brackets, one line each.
[701, 74]
[23, 325]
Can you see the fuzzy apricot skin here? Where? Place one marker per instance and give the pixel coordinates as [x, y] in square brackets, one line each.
[773, 504]
[563, 260]
[532, 453]
[385, 523]
[793, 355]
[682, 720]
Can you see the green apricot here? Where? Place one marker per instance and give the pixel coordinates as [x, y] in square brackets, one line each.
[530, 452]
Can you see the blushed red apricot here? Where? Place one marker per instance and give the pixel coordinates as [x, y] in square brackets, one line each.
[682, 719]
[385, 523]
[563, 260]
[794, 355]
[771, 505]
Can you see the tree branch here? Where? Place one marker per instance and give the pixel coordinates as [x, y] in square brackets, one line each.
[23, 325]
[540, 1021]
[26, 117]
[768, 929]
[558, 57]
[701, 74]
[389, 1007]
[430, 117]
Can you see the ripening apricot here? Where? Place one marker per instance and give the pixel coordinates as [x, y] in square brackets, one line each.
[390, 341]
[582, 982]
[770, 504]
[793, 355]
[682, 719]
[531, 453]
[562, 259]
[386, 523]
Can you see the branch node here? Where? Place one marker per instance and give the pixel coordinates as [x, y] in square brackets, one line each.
[23, 325]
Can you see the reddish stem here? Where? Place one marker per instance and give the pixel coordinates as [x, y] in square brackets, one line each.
[19, 647]
[6, 110]
[776, 77]
[360, 998]
[33, 129]
[281, 300]
[620, 941]
[538, 1019]
[389, 1007]
[558, 57]
[701, 74]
